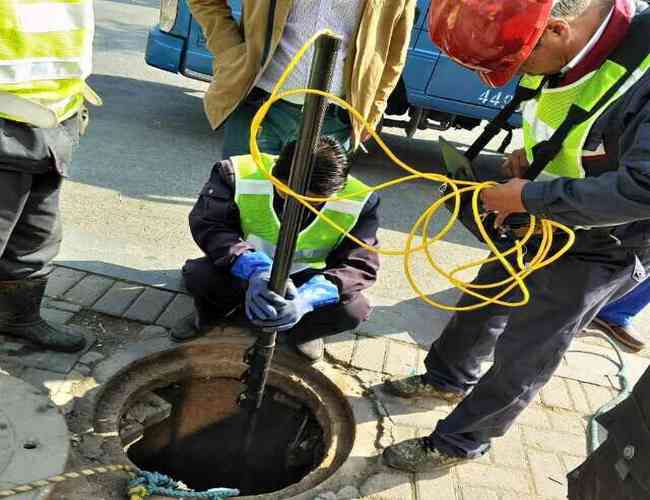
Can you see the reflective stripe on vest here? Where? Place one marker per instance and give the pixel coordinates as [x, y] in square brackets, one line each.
[46, 53]
[261, 226]
[543, 115]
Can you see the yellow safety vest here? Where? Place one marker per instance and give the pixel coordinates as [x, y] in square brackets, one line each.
[261, 226]
[46, 55]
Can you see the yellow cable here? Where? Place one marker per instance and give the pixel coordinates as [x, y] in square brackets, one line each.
[516, 277]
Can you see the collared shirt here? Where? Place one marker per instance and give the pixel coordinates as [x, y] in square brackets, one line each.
[305, 19]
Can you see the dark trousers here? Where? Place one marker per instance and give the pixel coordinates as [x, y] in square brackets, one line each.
[217, 294]
[526, 343]
[279, 127]
[30, 225]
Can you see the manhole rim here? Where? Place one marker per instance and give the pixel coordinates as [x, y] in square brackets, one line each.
[104, 423]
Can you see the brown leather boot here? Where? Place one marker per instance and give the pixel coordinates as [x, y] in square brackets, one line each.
[627, 335]
[20, 316]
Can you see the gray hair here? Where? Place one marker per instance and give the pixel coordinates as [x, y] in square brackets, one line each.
[570, 9]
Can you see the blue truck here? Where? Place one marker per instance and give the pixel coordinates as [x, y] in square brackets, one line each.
[434, 92]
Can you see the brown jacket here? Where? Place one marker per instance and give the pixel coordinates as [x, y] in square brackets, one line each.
[372, 69]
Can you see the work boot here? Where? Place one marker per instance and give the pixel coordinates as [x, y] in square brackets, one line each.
[312, 350]
[20, 316]
[194, 325]
[419, 455]
[627, 335]
[416, 386]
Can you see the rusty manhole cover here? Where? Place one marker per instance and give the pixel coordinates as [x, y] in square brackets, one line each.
[194, 430]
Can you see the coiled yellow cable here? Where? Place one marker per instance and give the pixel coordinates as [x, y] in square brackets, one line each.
[516, 280]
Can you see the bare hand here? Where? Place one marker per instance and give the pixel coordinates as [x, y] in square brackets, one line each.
[516, 164]
[504, 199]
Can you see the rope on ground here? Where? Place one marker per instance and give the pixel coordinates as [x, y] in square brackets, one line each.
[154, 483]
[517, 273]
[60, 478]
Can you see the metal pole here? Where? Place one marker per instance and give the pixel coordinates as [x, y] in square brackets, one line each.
[260, 356]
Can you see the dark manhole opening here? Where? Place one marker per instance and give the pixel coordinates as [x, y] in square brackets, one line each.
[200, 442]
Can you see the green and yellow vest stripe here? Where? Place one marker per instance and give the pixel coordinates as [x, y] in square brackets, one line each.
[261, 226]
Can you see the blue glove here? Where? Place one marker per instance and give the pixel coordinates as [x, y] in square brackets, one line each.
[317, 292]
[261, 304]
[250, 263]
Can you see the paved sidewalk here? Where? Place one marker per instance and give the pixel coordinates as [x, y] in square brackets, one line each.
[531, 462]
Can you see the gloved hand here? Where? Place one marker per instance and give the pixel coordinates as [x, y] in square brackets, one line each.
[317, 292]
[261, 304]
[250, 263]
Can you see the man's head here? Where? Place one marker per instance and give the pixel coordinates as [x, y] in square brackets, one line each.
[330, 169]
[498, 38]
[571, 26]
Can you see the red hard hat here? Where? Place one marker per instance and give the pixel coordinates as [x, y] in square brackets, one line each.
[493, 37]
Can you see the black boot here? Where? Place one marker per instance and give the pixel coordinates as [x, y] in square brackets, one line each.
[196, 324]
[20, 316]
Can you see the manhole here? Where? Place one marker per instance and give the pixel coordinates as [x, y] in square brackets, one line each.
[195, 430]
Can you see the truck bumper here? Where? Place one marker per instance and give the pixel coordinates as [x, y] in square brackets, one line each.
[164, 51]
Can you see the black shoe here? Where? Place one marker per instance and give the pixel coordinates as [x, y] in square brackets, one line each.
[20, 316]
[419, 455]
[194, 325]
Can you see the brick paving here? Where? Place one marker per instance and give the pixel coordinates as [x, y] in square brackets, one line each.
[530, 462]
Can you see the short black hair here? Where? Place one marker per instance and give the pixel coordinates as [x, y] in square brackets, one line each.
[330, 169]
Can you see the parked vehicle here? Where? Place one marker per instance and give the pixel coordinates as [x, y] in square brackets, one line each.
[434, 91]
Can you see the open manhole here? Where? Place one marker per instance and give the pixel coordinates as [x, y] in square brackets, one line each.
[192, 429]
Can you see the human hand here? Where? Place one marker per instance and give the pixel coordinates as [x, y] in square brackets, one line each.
[516, 164]
[289, 311]
[261, 304]
[504, 199]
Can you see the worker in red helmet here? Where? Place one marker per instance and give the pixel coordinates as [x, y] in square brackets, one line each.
[586, 115]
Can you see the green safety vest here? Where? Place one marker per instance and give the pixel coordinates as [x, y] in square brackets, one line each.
[544, 114]
[261, 226]
[46, 54]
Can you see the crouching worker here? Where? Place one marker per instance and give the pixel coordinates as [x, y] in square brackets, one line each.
[236, 222]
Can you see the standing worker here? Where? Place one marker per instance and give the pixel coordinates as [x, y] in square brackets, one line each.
[249, 59]
[45, 58]
[236, 222]
[597, 54]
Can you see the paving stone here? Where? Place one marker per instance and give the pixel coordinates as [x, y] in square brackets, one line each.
[435, 485]
[152, 331]
[388, 486]
[477, 494]
[535, 416]
[149, 305]
[578, 396]
[570, 462]
[369, 354]
[88, 290]
[509, 450]
[401, 359]
[573, 423]
[405, 412]
[548, 474]
[341, 347]
[61, 280]
[555, 394]
[598, 396]
[118, 298]
[477, 475]
[348, 493]
[56, 315]
[181, 306]
[64, 306]
[555, 441]
[91, 357]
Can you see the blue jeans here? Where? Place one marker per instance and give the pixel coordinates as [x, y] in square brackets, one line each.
[621, 312]
[280, 126]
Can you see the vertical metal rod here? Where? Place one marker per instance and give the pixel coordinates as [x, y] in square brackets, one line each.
[261, 355]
